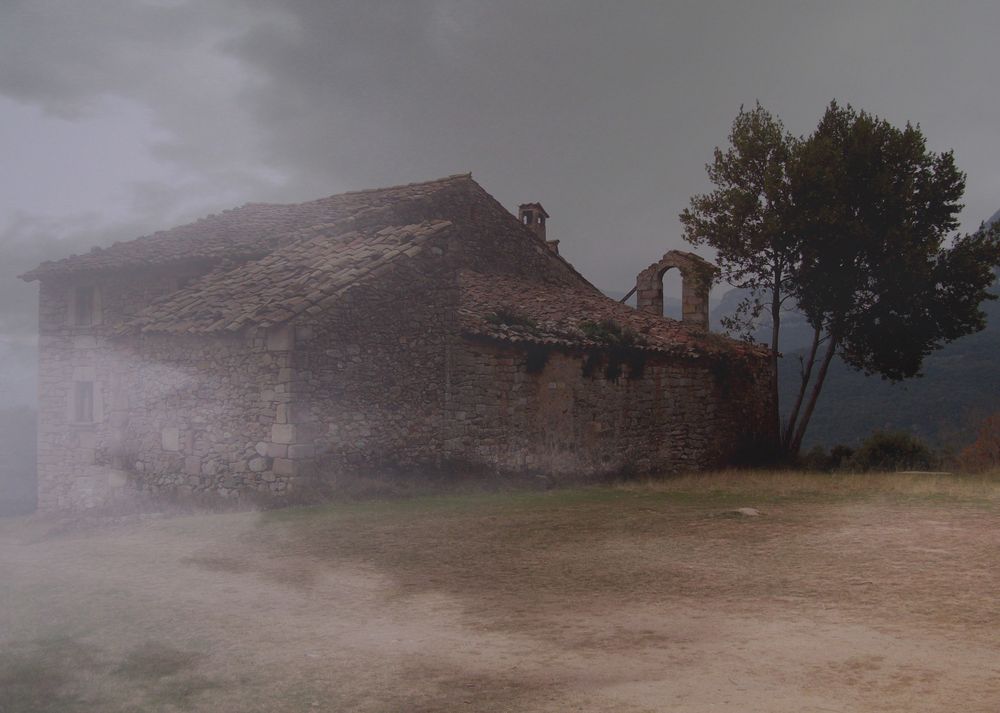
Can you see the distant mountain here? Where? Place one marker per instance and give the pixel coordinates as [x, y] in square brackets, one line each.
[960, 385]
[671, 305]
[795, 331]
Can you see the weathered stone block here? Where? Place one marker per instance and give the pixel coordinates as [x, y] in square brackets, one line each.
[281, 338]
[277, 450]
[284, 466]
[283, 433]
[170, 439]
[301, 450]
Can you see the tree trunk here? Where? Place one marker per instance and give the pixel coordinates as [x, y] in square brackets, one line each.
[800, 431]
[806, 374]
[775, 333]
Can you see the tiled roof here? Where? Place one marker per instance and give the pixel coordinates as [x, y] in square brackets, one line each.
[307, 275]
[271, 263]
[550, 314]
[253, 230]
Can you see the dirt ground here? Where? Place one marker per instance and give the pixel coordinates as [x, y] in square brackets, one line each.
[647, 598]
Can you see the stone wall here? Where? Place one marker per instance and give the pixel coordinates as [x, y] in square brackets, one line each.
[372, 374]
[384, 381]
[250, 412]
[180, 414]
[408, 395]
[200, 414]
[70, 468]
[577, 417]
[381, 380]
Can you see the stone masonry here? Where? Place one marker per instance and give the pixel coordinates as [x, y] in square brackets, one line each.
[697, 275]
[415, 328]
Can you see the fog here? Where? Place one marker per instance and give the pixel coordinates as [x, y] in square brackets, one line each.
[123, 117]
[203, 589]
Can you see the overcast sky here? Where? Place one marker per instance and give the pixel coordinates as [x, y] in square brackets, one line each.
[122, 117]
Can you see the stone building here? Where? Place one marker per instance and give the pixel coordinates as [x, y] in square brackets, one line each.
[415, 327]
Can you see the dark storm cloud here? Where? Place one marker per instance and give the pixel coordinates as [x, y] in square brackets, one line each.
[605, 112]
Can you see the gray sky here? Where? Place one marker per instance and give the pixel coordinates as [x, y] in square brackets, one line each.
[122, 117]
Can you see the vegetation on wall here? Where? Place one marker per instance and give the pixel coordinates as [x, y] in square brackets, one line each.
[510, 317]
[536, 357]
[609, 332]
[622, 347]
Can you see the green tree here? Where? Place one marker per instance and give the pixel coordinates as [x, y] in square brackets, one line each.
[859, 239]
[747, 220]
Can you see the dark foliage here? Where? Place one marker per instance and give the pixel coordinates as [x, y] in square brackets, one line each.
[623, 348]
[536, 357]
[884, 451]
[850, 226]
[983, 454]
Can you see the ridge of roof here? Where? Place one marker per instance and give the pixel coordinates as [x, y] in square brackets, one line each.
[453, 178]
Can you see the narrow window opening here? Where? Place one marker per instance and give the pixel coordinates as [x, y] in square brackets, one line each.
[83, 401]
[84, 306]
[673, 294]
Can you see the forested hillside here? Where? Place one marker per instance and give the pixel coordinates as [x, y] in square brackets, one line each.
[960, 385]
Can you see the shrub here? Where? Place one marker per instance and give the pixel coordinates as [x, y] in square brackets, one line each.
[840, 456]
[818, 459]
[984, 453]
[892, 451]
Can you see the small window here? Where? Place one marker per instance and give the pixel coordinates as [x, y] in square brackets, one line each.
[527, 218]
[84, 306]
[541, 219]
[83, 401]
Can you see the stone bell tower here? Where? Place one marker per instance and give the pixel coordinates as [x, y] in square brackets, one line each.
[697, 275]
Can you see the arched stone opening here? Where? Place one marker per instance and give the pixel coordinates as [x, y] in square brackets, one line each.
[673, 293]
[697, 275]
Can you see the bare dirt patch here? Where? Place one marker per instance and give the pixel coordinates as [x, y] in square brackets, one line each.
[841, 596]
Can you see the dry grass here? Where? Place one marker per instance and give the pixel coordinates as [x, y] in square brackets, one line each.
[789, 483]
[848, 593]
